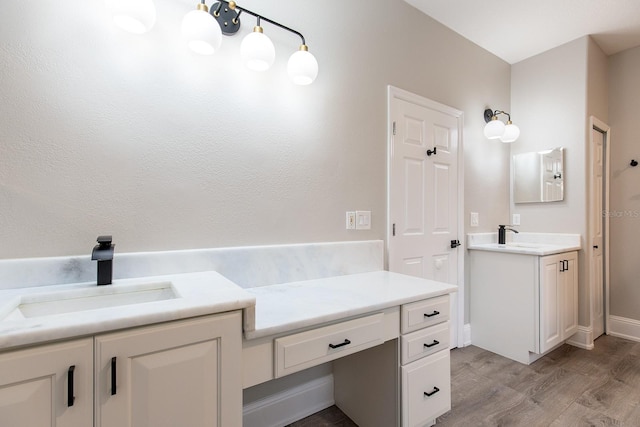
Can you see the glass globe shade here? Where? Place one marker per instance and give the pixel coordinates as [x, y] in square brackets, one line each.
[202, 32]
[494, 129]
[257, 51]
[134, 16]
[302, 67]
[511, 133]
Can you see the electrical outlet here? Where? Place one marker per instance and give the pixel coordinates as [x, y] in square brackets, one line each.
[475, 219]
[351, 220]
[516, 219]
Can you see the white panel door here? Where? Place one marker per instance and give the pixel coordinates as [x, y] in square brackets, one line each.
[423, 193]
[596, 232]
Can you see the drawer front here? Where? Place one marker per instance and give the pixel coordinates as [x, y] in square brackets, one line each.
[426, 389]
[424, 342]
[420, 314]
[303, 350]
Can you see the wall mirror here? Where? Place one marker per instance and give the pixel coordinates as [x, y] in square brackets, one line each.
[538, 176]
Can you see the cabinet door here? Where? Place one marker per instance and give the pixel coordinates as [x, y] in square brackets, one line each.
[48, 385]
[185, 373]
[569, 279]
[551, 331]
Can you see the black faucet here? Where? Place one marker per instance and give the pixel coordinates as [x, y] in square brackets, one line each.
[502, 234]
[103, 253]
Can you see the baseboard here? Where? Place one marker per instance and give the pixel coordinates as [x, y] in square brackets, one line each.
[624, 328]
[467, 334]
[290, 405]
[583, 338]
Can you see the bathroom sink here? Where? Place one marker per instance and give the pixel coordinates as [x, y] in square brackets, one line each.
[85, 298]
[526, 245]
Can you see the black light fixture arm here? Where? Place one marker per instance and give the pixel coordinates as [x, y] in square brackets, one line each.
[233, 6]
[490, 114]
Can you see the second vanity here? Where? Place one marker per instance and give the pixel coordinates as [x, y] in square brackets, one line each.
[523, 294]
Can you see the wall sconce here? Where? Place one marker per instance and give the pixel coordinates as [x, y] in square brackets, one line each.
[496, 129]
[203, 28]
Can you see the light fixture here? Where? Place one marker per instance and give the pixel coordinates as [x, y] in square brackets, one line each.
[134, 16]
[257, 50]
[496, 129]
[205, 37]
[201, 31]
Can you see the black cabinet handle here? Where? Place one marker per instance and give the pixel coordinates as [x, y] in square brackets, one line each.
[435, 342]
[346, 342]
[435, 313]
[113, 376]
[70, 395]
[595, 246]
[435, 390]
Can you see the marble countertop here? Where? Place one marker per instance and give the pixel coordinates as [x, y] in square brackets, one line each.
[200, 294]
[538, 244]
[295, 305]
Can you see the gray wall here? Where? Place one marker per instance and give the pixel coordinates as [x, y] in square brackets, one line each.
[107, 132]
[624, 104]
[549, 99]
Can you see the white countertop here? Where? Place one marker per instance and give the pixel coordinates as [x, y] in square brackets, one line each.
[538, 244]
[295, 305]
[200, 294]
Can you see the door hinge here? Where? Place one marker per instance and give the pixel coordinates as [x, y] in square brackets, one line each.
[394, 230]
[394, 128]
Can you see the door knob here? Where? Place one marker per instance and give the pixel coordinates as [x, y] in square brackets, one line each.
[430, 152]
[455, 244]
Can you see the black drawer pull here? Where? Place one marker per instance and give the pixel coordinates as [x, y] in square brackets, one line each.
[346, 342]
[435, 342]
[435, 313]
[113, 376]
[70, 395]
[435, 390]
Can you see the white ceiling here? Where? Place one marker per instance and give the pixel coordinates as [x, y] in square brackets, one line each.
[517, 29]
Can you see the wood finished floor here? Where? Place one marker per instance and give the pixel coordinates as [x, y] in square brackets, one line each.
[568, 387]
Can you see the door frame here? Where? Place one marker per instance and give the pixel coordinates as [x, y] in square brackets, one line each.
[605, 129]
[401, 94]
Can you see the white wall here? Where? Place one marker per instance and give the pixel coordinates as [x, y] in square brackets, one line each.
[624, 102]
[106, 132]
[549, 103]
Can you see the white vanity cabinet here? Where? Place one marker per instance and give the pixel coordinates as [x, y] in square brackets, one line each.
[558, 299]
[185, 372]
[521, 306]
[47, 385]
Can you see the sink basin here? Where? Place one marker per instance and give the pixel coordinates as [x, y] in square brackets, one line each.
[525, 245]
[86, 298]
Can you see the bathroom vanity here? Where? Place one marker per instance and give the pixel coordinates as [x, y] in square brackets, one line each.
[179, 349]
[523, 294]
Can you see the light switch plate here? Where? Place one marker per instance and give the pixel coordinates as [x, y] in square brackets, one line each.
[363, 220]
[516, 219]
[351, 220]
[475, 219]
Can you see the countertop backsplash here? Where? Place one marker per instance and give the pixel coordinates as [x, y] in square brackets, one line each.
[248, 267]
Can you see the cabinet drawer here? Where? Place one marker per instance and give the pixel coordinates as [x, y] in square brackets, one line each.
[420, 314]
[303, 350]
[424, 342]
[426, 389]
